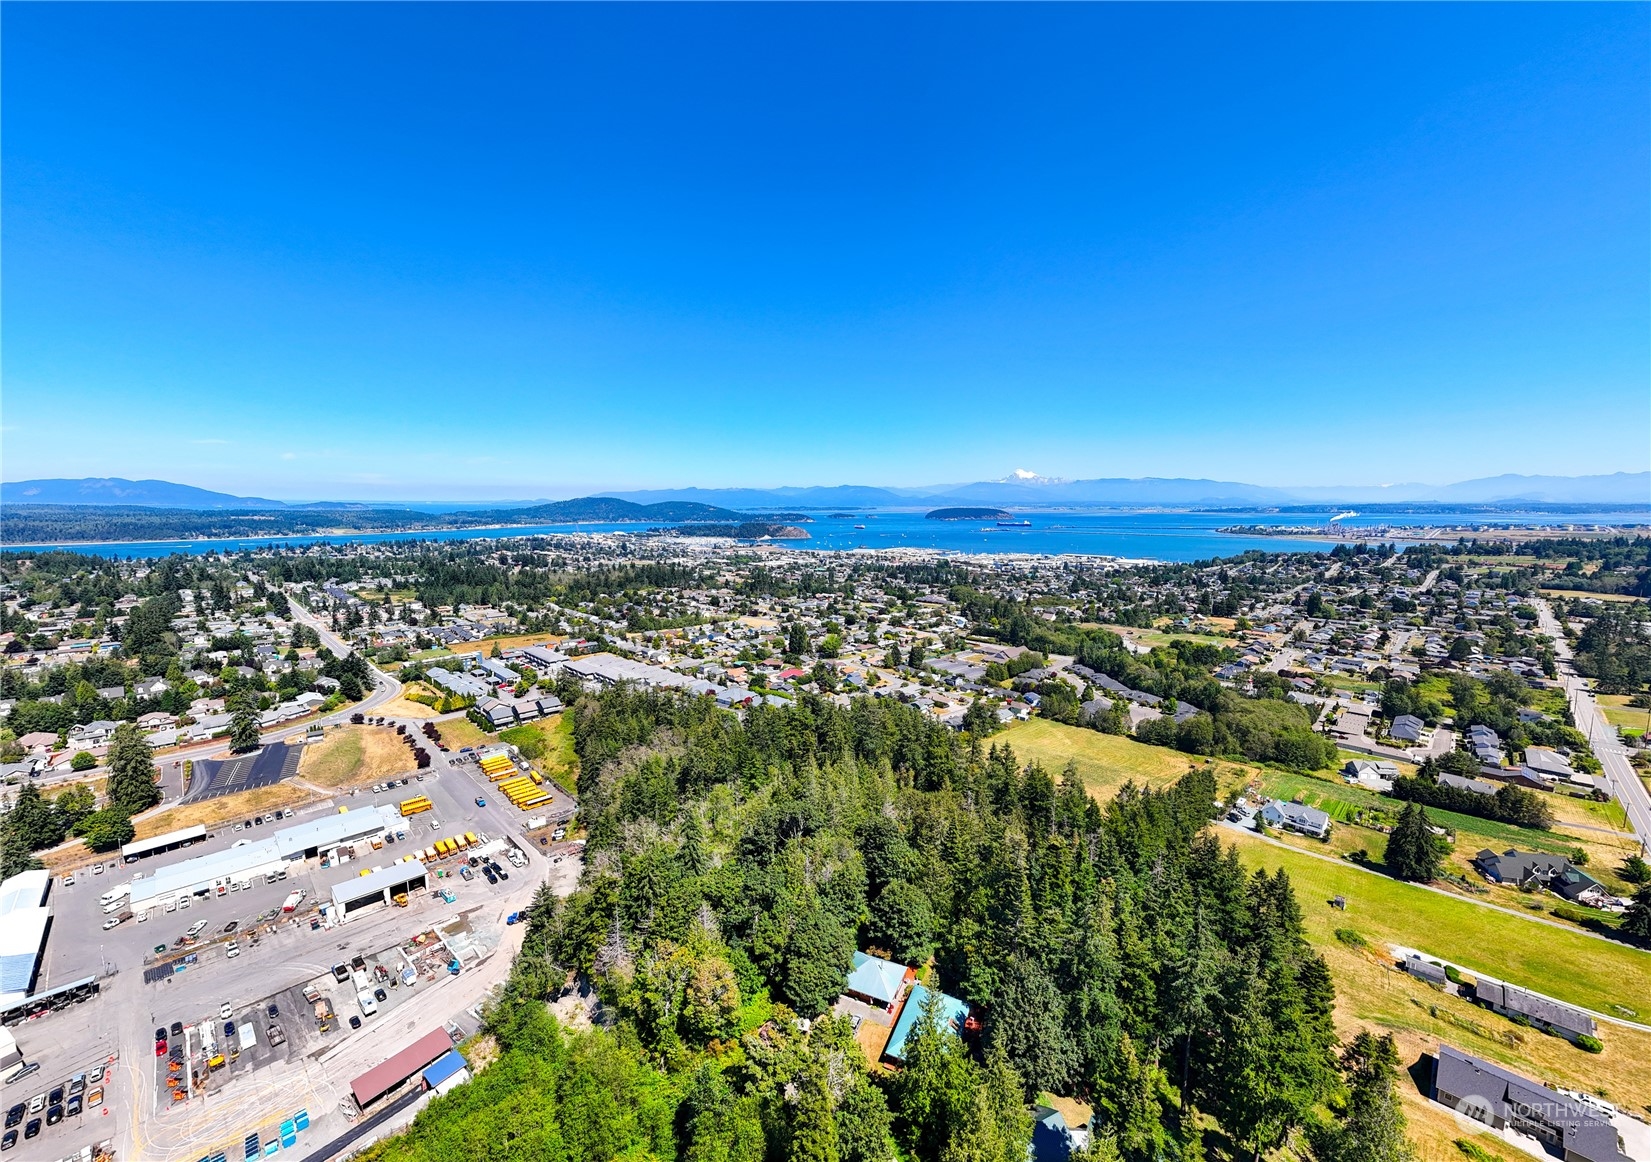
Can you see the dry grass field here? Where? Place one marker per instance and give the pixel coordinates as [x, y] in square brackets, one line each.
[355, 756]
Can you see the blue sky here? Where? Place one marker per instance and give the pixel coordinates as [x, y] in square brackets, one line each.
[500, 251]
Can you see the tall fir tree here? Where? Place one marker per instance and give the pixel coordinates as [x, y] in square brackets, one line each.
[1372, 1124]
[1412, 850]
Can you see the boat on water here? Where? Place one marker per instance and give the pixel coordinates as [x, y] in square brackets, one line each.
[1014, 524]
[859, 526]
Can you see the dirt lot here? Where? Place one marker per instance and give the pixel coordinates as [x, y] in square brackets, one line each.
[355, 756]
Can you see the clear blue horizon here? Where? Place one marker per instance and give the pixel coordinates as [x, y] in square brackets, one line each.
[385, 251]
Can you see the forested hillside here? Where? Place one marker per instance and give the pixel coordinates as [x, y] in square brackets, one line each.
[1119, 954]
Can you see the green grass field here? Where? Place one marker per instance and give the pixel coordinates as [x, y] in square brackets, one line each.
[1568, 965]
[1618, 713]
[1104, 761]
[549, 743]
[1157, 637]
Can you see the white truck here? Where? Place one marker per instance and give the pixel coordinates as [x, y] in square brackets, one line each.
[369, 1006]
[248, 1035]
[294, 898]
[115, 899]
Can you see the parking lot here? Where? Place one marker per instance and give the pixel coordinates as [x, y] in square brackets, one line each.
[275, 959]
[38, 1104]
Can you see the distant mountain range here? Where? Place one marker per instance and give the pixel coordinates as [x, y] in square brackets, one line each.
[1027, 489]
[115, 491]
[1023, 488]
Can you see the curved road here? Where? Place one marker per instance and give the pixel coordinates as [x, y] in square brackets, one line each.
[384, 689]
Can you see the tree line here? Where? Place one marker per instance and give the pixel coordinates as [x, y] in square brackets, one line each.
[734, 865]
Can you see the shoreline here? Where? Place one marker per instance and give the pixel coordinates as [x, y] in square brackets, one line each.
[1425, 534]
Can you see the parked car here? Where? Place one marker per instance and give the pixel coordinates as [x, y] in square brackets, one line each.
[355, 1022]
[233, 950]
[15, 1115]
[380, 996]
[8, 1141]
[480, 802]
[76, 1103]
[32, 1130]
[224, 1011]
[177, 1028]
[54, 1114]
[56, 1097]
[273, 1010]
[231, 926]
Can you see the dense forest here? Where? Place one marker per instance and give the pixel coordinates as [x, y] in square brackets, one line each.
[1116, 953]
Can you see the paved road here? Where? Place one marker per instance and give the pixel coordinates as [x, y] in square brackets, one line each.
[1624, 783]
[384, 689]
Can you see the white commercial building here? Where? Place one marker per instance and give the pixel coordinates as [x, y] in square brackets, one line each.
[251, 859]
[24, 917]
[378, 886]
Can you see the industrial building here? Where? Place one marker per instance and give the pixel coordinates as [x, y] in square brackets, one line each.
[24, 920]
[379, 886]
[234, 865]
[408, 1063]
[448, 1071]
[251, 859]
[171, 841]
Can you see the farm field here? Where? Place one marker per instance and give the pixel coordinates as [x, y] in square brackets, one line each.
[506, 642]
[1586, 596]
[1158, 637]
[1598, 974]
[1603, 849]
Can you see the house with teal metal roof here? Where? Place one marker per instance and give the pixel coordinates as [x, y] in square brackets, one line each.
[952, 1011]
[877, 981]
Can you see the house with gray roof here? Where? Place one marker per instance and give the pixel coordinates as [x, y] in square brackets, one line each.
[1501, 1099]
[1555, 1016]
[1296, 817]
[1477, 786]
[1520, 868]
[1407, 728]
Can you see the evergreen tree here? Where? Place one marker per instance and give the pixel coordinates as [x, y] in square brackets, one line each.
[818, 955]
[15, 853]
[243, 731]
[813, 1128]
[903, 922]
[992, 1124]
[863, 1124]
[1412, 851]
[1132, 1105]
[1028, 1027]
[1636, 921]
[1372, 1126]
[131, 764]
[692, 853]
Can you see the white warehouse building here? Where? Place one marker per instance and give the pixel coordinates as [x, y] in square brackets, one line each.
[253, 859]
